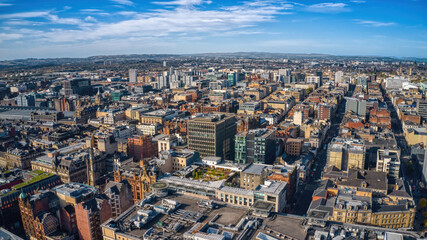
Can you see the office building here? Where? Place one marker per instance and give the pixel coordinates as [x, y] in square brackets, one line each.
[255, 146]
[388, 160]
[422, 108]
[140, 147]
[133, 75]
[325, 111]
[345, 154]
[339, 76]
[234, 78]
[119, 196]
[212, 135]
[78, 86]
[25, 101]
[313, 80]
[355, 105]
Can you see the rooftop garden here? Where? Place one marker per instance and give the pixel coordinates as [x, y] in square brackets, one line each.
[209, 174]
[37, 176]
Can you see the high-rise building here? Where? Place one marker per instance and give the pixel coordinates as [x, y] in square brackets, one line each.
[325, 111]
[255, 146]
[162, 81]
[338, 76]
[388, 160]
[345, 154]
[422, 108]
[132, 75]
[78, 86]
[313, 80]
[212, 135]
[234, 78]
[298, 117]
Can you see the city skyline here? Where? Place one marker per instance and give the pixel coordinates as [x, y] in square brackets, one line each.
[82, 29]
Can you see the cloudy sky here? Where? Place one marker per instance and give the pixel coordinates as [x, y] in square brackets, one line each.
[81, 28]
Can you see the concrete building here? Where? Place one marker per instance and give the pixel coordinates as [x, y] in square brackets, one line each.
[25, 100]
[388, 160]
[255, 146]
[212, 135]
[132, 75]
[119, 196]
[345, 154]
[355, 105]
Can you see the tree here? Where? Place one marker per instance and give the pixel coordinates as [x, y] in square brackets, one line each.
[309, 90]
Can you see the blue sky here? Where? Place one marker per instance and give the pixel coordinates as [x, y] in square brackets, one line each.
[81, 28]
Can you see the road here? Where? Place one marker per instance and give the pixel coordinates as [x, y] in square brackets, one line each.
[303, 198]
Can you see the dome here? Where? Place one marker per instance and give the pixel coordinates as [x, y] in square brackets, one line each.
[22, 195]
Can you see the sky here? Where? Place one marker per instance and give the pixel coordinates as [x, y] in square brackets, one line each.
[82, 28]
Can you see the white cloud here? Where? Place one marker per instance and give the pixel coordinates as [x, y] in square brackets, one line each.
[5, 4]
[123, 2]
[357, 1]
[70, 21]
[90, 19]
[25, 14]
[127, 13]
[11, 36]
[184, 2]
[327, 7]
[374, 23]
[161, 23]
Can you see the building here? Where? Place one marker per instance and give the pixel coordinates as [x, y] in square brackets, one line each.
[78, 86]
[47, 116]
[345, 154]
[254, 175]
[67, 162]
[138, 177]
[325, 111]
[395, 83]
[140, 147]
[255, 146]
[90, 215]
[32, 181]
[132, 75]
[293, 146]
[422, 108]
[339, 76]
[174, 160]
[103, 141]
[355, 105]
[358, 201]
[119, 196]
[212, 135]
[38, 213]
[388, 160]
[298, 117]
[74, 193]
[25, 101]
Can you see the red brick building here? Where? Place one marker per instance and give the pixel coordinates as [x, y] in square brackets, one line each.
[140, 147]
[90, 215]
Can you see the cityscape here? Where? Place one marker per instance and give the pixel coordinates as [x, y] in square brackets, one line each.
[186, 120]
